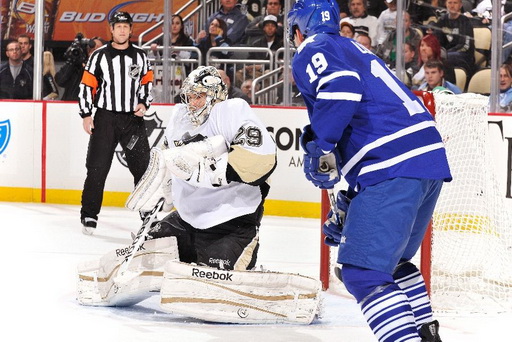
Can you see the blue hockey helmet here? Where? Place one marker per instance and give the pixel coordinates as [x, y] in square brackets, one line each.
[314, 16]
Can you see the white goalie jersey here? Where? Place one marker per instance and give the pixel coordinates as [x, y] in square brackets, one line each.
[250, 159]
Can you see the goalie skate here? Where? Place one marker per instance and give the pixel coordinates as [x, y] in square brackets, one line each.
[97, 284]
[239, 296]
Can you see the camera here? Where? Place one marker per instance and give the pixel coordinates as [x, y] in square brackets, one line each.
[77, 51]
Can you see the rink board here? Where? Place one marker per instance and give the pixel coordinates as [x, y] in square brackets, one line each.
[44, 156]
[43, 149]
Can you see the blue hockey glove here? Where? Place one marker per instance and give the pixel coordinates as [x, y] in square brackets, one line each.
[320, 168]
[333, 226]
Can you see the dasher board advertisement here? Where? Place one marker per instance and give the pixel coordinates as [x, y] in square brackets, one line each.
[65, 18]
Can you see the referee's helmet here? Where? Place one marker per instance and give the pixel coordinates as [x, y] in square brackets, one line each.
[121, 17]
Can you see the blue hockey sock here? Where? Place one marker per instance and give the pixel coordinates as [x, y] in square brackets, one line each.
[409, 279]
[385, 307]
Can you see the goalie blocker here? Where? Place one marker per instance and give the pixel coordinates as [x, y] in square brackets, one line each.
[224, 296]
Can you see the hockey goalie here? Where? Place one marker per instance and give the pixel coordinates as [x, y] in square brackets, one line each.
[212, 173]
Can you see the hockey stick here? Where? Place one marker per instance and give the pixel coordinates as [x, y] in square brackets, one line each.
[332, 201]
[324, 167]
[138, 241]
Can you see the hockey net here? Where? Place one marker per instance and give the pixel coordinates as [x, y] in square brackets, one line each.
[467, 263]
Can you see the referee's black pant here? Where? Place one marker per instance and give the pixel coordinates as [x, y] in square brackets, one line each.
[111, 128]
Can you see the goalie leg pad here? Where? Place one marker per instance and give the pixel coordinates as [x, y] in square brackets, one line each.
[96, 284]
[239, 296]
[152, 186]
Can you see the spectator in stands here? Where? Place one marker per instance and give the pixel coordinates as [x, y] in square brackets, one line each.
[506, 87]
[386, 22]
[235, 20]
[430, 48]
[252, 7]
[373, 7]
[233, 92]
[364, 39]
[296, 96]
[254, 30]
[359, 17]
[347, 29]
[247, 86]
[455, 33]
[434, 78]
[216, 37]
[178, 38]
[387, 50]
[270, 40]
[425, 11]
[26, 45]
[15, 76]
[483, 11]
[70, 74]
[343, 6]
[410, 63]
[178, 71]
[50, 90]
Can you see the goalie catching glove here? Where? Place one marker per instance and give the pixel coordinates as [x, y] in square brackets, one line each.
[333, 226]
[200, 163]
[320, 168]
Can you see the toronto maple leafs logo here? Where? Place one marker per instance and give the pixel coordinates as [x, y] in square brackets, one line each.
[5, 134]
[134, 71]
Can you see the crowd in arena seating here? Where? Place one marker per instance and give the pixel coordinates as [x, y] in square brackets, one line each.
[441, 30]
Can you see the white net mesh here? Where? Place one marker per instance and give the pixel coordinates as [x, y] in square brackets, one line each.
[472, 228]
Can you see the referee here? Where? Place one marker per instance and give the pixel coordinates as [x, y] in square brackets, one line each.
[117, 81]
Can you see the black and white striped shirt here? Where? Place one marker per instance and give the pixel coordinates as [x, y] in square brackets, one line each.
[116, 80]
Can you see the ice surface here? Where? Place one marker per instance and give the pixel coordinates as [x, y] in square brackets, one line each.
[43, 244]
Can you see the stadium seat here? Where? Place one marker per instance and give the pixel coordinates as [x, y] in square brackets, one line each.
[461, 77]
[482, 37]
[418, 31]
[480, 82]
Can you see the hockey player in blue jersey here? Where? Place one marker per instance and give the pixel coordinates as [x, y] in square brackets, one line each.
[367, 127]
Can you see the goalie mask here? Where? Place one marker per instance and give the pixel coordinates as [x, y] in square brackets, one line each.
[203, 82]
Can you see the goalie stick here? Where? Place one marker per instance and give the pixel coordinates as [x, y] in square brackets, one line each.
[138, 240]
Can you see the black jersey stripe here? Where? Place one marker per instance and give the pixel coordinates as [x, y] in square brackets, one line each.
[119, 74]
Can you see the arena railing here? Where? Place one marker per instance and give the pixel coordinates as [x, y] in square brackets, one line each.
[238, 66]
[177, 67]
[198, 13]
